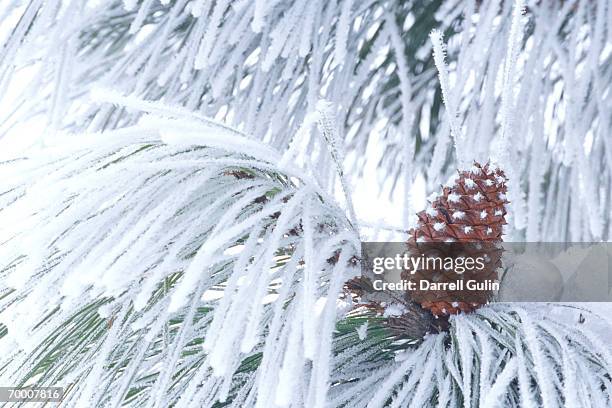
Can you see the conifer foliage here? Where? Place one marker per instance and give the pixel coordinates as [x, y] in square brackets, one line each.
[179, 228]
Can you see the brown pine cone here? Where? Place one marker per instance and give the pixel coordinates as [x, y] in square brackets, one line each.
[471, 213]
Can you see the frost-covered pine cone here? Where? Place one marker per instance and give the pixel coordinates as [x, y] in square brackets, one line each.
[471, 210]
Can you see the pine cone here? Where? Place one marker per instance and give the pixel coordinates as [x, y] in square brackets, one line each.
[471, 212]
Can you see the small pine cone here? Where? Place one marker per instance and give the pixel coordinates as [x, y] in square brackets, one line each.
[470, 212]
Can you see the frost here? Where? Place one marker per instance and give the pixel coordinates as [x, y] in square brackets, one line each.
[344, 26]
[182, 209]
[432, 212]
[178, 230]
[510, 90]
[458, 215]
[394, 309]
[362, 331]
[454, 197]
